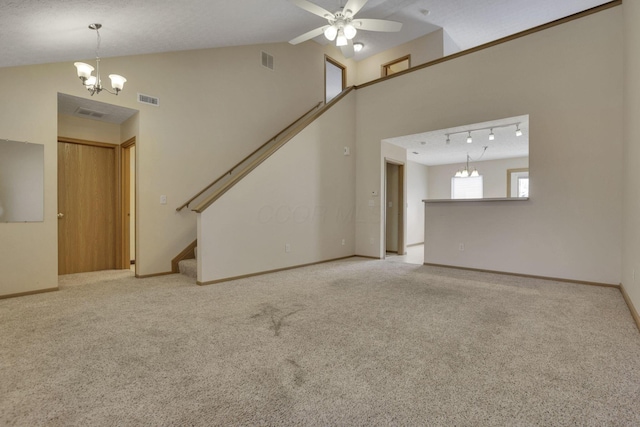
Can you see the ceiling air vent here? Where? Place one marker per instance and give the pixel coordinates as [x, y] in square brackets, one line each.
[267, 60]
[84, 112]
[146, 99]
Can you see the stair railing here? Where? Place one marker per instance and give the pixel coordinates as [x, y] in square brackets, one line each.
[253, 153]
[285, 136]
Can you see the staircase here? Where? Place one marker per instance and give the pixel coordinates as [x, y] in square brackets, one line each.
[186, 262]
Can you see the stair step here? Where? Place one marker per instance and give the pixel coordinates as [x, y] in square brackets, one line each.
[189, 267]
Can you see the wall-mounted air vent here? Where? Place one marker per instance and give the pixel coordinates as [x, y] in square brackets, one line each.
[84, 112]
[267, 60]
[147, 99]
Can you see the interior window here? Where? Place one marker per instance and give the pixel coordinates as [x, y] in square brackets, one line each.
[396, 65]
[470, 187]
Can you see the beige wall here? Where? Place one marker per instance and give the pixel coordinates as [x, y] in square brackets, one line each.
[631, 221]
[302, 196]
[89, 130]
[494, 177]
[422, 50]
[569, 79]
[216, 106]
[417, 191]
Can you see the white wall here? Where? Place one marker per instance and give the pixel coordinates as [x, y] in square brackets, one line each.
[631, 221]
[302, 196]
[569, 80]
[494, 177]
[417, 191]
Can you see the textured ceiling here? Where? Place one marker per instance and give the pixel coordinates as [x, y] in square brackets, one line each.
[44, 31]
[432, 149]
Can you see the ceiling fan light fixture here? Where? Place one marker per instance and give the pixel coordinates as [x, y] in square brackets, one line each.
[358, 46]
[341, 39]
[349, 31]
[331, 32]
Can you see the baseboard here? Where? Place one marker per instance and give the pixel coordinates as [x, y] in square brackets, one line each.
[24, 294]
[415, 244]
[260, 273]
[369, 257]
[146, 276]
[531, 276]
[632, 308]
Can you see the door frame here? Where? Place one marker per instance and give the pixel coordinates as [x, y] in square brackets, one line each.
[332, 61]
[402, 250]
[118, 189]
[125, 203]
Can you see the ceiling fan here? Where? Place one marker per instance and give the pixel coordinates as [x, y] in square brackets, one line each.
[342, 25]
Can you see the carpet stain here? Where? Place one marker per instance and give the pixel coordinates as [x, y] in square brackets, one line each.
[298, 374]
[276, 316]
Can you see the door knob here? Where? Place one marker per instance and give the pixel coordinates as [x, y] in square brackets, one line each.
[60, 215]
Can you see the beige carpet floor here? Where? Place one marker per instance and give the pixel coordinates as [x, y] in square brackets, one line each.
[354, 342]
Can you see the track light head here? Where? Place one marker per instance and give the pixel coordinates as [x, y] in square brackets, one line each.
[469, 139]
[518, 131]
[491, 136]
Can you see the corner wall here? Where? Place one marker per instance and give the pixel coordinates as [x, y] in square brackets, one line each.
[631, 163]
[569, 80]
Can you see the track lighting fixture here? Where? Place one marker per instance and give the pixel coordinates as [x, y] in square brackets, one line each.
[492, 136]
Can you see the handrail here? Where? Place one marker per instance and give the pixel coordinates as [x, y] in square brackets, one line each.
[295, 131]
[186, 204]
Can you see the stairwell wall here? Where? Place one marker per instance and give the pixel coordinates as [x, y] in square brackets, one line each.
[302, 196]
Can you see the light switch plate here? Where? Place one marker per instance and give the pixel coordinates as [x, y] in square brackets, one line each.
[163, 199]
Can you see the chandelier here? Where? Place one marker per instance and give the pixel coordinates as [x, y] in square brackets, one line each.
[467, 172]
[91, 82]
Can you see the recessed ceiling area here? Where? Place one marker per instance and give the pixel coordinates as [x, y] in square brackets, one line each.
[93, 110]
[46, 31]
[431, 148]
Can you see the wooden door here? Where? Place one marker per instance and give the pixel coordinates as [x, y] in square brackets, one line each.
[87, 207]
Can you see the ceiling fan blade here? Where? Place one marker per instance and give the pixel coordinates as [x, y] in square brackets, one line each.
[308, 35]
[354, 5]
[377, 25]
[347, 51]
[313, 8]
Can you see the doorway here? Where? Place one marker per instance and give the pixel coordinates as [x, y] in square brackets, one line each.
[129, 204]
[335, 78]
[87, 206]
[394, 208]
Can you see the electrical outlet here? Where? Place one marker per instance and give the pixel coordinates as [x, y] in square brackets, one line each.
[344, 242]
[163, 200]
[347, 151]
[461, 247]
[287, 247]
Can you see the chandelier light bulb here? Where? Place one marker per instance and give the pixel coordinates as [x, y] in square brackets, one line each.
[90, 82]
[84, 70]
[465, 173]
[475, 173]
[117, 81]
[331, 32]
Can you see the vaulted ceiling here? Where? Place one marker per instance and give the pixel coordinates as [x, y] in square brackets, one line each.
[44, 31]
